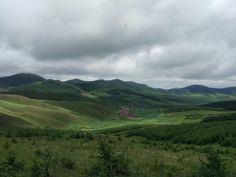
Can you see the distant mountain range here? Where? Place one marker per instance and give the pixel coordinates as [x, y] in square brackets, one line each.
[28, 78]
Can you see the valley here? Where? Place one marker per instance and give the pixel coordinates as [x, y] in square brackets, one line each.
[156, 128]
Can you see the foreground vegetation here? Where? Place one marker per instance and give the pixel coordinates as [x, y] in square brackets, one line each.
[54, 153]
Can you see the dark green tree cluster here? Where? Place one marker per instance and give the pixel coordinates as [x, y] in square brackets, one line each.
[223, 133]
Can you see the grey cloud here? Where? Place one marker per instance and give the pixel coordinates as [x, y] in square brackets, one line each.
[152, 42]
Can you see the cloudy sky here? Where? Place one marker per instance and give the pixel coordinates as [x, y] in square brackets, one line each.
[163, 43]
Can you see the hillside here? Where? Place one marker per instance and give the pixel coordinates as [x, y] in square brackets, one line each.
[24, 112]
[141, 95]
[19, 80]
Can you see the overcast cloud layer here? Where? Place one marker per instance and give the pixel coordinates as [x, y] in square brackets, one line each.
[163, 43]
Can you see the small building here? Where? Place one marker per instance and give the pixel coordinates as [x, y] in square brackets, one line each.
[125, 112]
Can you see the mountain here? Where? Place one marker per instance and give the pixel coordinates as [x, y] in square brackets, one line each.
[194, 89]
[229, 90]
[75, 81]
[114, 92]
[19, 80]
[200, 89]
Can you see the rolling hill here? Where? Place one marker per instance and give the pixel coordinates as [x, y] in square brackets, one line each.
[25, 112]
[28, 100]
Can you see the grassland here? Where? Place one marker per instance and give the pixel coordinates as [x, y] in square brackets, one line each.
[89, 115]
[38, 113]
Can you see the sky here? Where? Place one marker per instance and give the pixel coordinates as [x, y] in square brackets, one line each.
[162, 43]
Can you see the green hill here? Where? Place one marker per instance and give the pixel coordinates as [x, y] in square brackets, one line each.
[115, 92]
[36, 113]
[19, 79]
[7, 121]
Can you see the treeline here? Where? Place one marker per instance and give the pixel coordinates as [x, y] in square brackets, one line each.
[227, 105]
[223, 133]
[225, 117]
[47, 133]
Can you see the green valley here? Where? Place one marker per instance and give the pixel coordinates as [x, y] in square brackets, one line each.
[156, 128]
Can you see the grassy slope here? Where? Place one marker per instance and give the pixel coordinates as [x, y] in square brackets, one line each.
[7, 121]
[38, 113]
[88, 114]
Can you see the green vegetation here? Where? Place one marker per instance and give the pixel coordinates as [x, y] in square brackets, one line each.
[10, 166]
[19, 111]
[223, 133]
[58, 129]
[212, 167]
[109, 163]
[40, 152]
